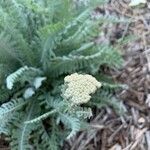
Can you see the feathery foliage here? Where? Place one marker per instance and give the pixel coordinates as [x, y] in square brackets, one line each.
[41, 42]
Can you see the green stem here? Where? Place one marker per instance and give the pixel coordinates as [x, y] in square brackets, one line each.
[42, 117]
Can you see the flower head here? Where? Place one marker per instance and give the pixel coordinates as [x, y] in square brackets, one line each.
[79, 87]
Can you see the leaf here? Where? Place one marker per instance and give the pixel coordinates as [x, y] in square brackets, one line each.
[28, 93]
[9, 107]
[7, 112]
[20, 133]
[38, 82]
[10, 80]
[72, 123]
[22, 74]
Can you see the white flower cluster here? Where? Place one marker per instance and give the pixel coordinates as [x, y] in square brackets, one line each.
[79, 87]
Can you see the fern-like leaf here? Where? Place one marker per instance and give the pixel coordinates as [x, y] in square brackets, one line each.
[15, 77]
[72, 123]
[8, 111]
[72, 63]
[11, 79]
[21, 131]
[10, 107]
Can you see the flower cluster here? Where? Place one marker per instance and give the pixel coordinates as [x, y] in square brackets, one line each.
[79, 87]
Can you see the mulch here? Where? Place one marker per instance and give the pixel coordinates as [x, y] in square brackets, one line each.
[3, 144]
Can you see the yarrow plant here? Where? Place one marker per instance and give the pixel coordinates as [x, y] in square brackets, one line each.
[79, 87]
[51, 74]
